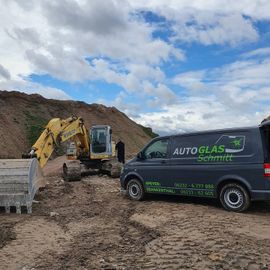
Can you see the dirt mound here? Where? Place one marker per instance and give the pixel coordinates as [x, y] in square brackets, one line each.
[24, 116]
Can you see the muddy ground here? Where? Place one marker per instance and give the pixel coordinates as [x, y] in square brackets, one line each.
[90, 225]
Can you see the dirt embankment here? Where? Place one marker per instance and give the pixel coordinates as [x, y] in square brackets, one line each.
[23, 117]
[90, 225]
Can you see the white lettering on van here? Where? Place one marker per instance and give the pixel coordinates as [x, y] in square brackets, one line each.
[185, 151]
[194, 150]
[181, 151]
[188, 149]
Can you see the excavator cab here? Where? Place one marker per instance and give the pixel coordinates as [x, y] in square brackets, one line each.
[100, 142]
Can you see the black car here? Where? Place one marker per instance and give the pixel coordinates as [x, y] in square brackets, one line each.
[231, 164]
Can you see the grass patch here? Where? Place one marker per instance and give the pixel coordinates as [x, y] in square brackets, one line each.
[149, 132]
[34, 126]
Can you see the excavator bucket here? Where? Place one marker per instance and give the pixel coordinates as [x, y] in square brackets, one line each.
[20, 179]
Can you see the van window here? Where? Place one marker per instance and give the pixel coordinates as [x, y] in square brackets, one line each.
[158, 149]
[266, 142]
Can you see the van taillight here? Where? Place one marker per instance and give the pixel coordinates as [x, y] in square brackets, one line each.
[266, 169]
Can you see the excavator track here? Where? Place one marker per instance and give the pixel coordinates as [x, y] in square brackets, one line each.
[20, 179]
[112, 167]
[72, 170]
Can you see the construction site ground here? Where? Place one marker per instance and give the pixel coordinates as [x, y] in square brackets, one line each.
[91, 225]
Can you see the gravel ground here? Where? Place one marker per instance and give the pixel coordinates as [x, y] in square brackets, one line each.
[90, 225]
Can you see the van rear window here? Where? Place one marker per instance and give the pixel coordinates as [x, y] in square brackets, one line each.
[265, 132]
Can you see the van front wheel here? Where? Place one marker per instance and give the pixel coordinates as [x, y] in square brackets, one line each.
[135, 190]
[234, 197]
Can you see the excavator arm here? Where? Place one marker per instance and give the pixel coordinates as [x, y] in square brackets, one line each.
[56, 132]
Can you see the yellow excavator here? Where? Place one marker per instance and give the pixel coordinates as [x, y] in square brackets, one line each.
[93, 149]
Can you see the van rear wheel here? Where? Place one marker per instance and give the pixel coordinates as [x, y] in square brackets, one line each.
[234, 197]
[135, 190]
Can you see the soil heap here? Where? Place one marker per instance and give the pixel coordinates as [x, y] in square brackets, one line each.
[23, 117]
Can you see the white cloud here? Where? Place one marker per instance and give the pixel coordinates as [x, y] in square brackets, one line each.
[211, 29]
[210, 22]
[56, 38]
[4, 73]
[33, 88]
[120, 103]
[144, 72]
[235, 94]
[202, 113]
[110, 41]
[190, 80]
[69, 31]
[258, 52]
[161, 96]
[238, 82]
[257, 9]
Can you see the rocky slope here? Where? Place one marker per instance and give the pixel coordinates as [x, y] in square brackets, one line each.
[22, 117]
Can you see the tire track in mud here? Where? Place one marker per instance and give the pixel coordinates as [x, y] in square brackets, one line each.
[110, 240]
[206, 240]
[117, 244]
[101, 229]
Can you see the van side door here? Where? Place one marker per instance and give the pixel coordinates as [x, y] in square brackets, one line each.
[200, 161]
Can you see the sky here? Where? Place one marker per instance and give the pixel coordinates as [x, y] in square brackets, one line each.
[174, 65]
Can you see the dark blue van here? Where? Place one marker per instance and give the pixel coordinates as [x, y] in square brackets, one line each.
[232, 165]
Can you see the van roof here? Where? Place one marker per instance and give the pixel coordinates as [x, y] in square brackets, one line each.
[265, 123]
[216, 131]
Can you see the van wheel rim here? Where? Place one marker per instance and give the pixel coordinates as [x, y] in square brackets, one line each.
[134, 190]
[233, 198]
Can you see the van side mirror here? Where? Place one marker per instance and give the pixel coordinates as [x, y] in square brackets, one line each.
[140, 155]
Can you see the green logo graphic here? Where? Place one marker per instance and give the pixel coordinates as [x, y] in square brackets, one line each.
[237, 143]
[233, 144]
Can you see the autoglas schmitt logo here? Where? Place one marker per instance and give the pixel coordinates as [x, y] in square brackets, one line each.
[233, 144]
